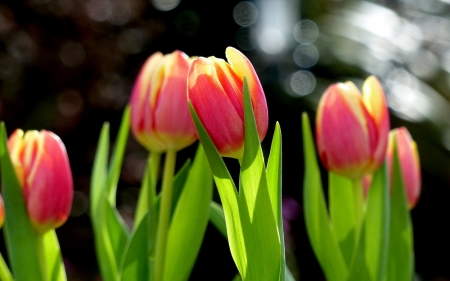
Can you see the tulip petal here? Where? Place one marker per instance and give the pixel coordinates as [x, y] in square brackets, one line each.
[231, 84]
[375, 102]
[141, 118]
[16, 147]
[343, 131]
[243, 67]
[409, 163]
[208, 99]
[50, 184]
[173, 125]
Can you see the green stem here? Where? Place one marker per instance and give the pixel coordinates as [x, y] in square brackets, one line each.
[154, 158]
[5, 273]
[164, 213]
[41, 255]
[359, 204]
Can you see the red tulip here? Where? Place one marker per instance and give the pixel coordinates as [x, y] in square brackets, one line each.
[408, 157]
[43, 170]
[215, 89]
[352, 129]
[160, 118]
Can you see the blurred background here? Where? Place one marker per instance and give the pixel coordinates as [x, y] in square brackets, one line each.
[69, 66]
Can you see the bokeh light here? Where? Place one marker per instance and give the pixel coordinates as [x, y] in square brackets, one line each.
[245, 13]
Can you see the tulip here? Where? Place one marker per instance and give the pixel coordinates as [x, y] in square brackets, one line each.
[408, 157]
[352, 129]
[215, 89]
[42, 168]
[160, 118]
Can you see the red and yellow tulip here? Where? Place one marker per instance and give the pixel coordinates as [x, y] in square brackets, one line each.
[160, 118]
[352, 129]
[215, 88]
[43, 170]
[408, 157]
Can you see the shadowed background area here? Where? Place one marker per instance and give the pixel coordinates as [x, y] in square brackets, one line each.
[68, 66]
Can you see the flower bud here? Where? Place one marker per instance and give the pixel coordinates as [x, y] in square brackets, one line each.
[160, 118]
[352, 129]
[215, 89]
[42, 168]
[408, 157]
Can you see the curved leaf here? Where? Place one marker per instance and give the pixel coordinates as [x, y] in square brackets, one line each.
[320, 232]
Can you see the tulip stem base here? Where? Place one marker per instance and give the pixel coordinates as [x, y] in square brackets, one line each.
[5, 273]
[164, 214]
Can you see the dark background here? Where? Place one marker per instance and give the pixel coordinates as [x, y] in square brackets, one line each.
[69, 65]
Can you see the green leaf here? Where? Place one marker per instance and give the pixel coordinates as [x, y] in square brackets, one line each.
[148, 188]
[179, 183]
[99, 171]
[117, 230]
[189, 221]
[377, 225]
[401, 252]
[228, 195]
[274, 167]
[5, 273]
[55, 267]
[21, 240]
[117, 156]
[274, 176]
[104, 249]
[255, 207]
[217, 218]
[343, 214]
[135, 264]
[320, 232]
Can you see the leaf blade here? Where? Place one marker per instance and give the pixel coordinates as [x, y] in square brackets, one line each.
[320, 232]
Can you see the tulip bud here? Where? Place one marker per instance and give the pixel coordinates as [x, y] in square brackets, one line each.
[215, 89]
[42, 168]
[408, 157]
[160, 118]
[352, 130]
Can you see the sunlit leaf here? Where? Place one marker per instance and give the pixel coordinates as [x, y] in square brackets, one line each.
[343, 214]
[217, 218]
[55, 267]
[228, 195]
[257, 217]
[117, 156]
[274, 168]
[189, 220]
[320, 233]
[400, 264]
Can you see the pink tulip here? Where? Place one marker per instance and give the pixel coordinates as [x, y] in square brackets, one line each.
[160, 118]
[408, 157]
[352, 129]
[215, 89]
[43, 170]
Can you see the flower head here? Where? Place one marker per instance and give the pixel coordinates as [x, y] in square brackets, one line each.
[352, 129]
[215, 88]
[408, 157]
[43, 170]
[160, 118]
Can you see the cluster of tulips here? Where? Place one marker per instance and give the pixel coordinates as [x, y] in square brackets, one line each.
[363, 232]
